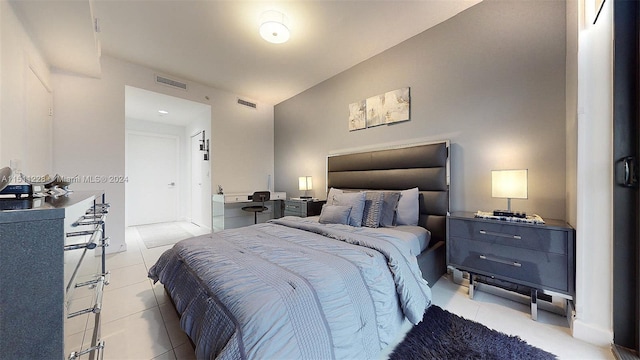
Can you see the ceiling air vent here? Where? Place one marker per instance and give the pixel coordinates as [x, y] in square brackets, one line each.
[168, 82]
[247, 103]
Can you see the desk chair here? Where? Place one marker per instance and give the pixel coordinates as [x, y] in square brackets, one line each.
[258, 196]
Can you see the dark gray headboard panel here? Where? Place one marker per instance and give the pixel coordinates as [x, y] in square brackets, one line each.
[424, 166]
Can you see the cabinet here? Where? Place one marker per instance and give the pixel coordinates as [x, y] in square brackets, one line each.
[302, 208]
[37, 275]
[540, 257]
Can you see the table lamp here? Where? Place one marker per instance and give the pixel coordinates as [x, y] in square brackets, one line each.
[305, 183]
[509, 184]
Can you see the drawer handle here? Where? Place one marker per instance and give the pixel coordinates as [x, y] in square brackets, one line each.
[98, 348]
[506, 262]
[97, 307]
[484, 232]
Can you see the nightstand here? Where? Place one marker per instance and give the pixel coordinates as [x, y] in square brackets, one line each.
[302, 208]
[540, 257]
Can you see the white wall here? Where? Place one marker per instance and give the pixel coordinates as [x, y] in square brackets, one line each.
[18, 57]
[89, 133]
[3, 4]
[594, 243]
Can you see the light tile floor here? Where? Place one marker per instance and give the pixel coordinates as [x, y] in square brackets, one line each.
[503, 313]
[139, 322]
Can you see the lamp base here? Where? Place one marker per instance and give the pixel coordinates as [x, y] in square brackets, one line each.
[509, 213]
[305, 197]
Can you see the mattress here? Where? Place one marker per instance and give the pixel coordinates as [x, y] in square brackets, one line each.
[293, 289]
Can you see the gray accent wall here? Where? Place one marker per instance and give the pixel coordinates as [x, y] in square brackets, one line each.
[491, 80]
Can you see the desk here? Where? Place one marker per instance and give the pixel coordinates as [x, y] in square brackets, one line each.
[228, 214]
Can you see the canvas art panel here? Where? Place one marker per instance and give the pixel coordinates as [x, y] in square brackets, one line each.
[396, 105]
[357, 115]
[375, 111]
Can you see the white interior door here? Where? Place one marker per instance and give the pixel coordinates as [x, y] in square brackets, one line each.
[152, 171]
[197, 183]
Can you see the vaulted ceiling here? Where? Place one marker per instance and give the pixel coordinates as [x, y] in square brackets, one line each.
[217, 43]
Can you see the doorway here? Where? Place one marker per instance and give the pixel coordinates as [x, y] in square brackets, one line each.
[155, 123]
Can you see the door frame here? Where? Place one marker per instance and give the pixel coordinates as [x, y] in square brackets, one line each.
[191, 158]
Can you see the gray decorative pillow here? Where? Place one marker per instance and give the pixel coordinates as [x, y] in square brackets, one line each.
[372, 209]
[356, 202]
[408, 207]
[332, 194]
[389, 208]
[334, 214]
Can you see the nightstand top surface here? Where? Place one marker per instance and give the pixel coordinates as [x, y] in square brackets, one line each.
[548, 223]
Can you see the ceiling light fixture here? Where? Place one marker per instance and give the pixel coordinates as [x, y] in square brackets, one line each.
[273, 27]
[163, 112]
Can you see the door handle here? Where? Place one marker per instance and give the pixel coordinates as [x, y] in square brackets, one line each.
[172, 184]
[627, 174]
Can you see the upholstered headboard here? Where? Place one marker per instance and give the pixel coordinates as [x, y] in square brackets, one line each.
[425, 166]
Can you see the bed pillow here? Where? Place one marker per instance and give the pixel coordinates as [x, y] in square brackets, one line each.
[408, 207]
[332, 194]
[389, 209]
[372, 209]
[334, 214]
[356, 201]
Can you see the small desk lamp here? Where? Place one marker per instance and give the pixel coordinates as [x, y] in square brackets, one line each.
[510, 184]
[305, 183]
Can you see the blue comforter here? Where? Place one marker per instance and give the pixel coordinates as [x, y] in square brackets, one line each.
[292, 289]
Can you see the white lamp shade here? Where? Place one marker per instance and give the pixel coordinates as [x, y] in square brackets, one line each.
[273, 27]
[305, 183]
[510, 184]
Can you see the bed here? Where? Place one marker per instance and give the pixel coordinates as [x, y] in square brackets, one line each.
[318, 288]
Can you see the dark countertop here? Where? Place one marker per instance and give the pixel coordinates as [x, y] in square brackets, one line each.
[39, 208]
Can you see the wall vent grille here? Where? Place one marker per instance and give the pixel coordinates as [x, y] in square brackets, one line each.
[169, 82]
[247, 103]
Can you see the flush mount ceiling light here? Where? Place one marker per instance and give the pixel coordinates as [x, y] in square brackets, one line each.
[273, 27]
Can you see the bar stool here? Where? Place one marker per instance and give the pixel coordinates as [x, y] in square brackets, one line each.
[258, 196]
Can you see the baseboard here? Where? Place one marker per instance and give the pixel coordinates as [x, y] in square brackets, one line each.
[592, 334]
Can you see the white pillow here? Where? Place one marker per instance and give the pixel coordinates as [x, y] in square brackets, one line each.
[408, 207]
[356, 202]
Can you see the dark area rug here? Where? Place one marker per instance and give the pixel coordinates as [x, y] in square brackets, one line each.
[443, 335]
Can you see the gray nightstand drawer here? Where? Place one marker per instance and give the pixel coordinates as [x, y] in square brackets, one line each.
[533, 237]
[295, 208]
[302, 208]
[530, 267]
